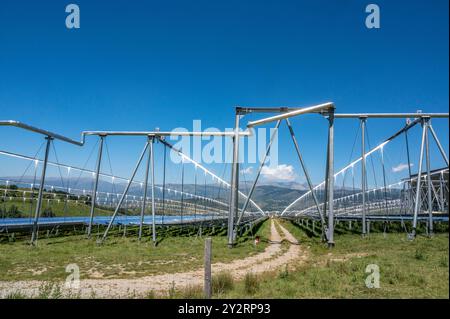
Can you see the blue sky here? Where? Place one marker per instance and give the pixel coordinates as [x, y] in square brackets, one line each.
[145, 64]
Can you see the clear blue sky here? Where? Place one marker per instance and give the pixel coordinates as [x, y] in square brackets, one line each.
[137, 65]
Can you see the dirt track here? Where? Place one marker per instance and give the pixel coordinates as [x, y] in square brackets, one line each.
[272, 258]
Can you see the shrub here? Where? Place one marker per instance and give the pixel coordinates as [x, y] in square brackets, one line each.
[283, 274]
[15, 295]
[48, 212]
[172, 290]
[419, 255]
[222, 283]
[49, 290]
[443, 262]
[14, 212]
[150, 294]
[192, 292]
[251, 283]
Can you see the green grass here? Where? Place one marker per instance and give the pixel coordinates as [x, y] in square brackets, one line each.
[118, 257]
[60, 209]
[408, 269]
[222, 283]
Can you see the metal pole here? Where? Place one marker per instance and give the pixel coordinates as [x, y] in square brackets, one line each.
[261, 165]
[234, 183]
[116, 211]
[144, 200]
[94, 191]
[164, 185]
[308, 179]
[384, 181]
[152, 166]
[363, 173]
[419, 177]
[182, 191]
[330, 236]
[441, 149]
[325, 189]
[429, 185]
[441, 190]
[41, 192]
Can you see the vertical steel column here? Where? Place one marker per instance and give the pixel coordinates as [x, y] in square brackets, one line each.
[330, 236]
[363, 173]
[41, 192]
[410, 192]
[419, 177]
[430, 200]
[124, 194]
[441, 190]
[144, 200]
[234, 187]
[182, 191]
[152, 167]
[325, 189]
[94, 191]
[164, 185]
[384, 181]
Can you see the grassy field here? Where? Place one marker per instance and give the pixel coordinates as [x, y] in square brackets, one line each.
[408, 269]
[59, 209]
[118, 257]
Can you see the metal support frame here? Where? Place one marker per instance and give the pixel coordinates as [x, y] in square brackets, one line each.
[234, 188]
[41, 191]
[300, 111]
[152, 169]
[144, 199]
[419, 178]
[330, 191]
[323, 109]
[363, 173]
[94, 191]
[429, 185]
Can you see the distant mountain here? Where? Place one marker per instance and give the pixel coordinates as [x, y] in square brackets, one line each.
[289, 185]
[269, 196]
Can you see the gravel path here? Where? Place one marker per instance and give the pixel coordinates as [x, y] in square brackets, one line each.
[272, 258]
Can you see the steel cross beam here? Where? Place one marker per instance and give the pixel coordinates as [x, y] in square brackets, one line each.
[40, 131]
[321, 108]
[391, 115]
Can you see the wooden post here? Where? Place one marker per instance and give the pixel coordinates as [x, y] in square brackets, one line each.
[208, 281]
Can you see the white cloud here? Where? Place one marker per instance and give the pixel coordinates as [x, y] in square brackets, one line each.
[281, 172]
[400, 167]
[248, 170]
